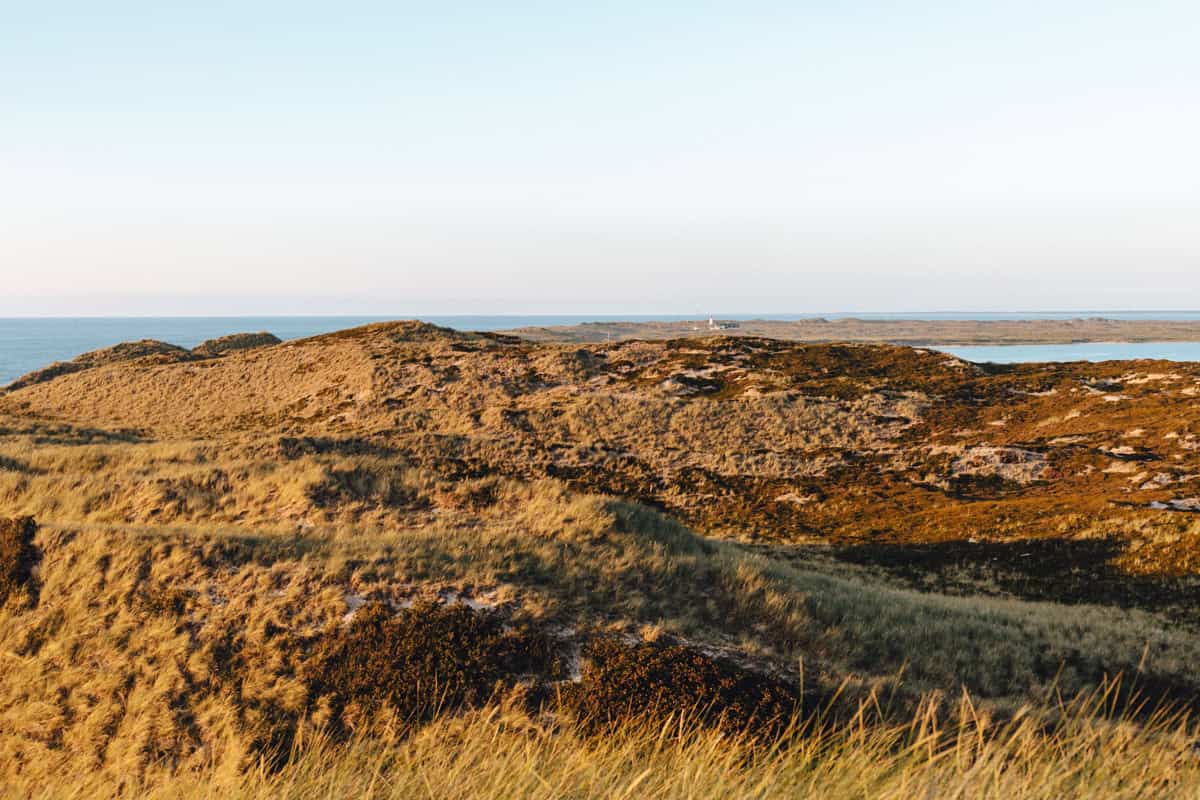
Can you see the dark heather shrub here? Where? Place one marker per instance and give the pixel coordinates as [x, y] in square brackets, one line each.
[420, 661]
[622, 681]
[235, 341]
[18, 556]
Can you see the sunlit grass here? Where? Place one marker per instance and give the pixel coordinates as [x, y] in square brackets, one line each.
[501, 753]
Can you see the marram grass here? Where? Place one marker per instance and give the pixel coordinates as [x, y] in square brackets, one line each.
[501, 753]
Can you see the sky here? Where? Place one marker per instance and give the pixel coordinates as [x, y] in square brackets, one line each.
[771, 156]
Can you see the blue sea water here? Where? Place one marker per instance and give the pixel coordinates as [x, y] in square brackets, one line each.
[29, 343]
[1082, 351]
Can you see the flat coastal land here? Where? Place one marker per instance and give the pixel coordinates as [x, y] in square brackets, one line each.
[907, 332]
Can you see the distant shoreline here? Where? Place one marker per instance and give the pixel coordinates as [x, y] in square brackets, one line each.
[32, 343]
[913, 333]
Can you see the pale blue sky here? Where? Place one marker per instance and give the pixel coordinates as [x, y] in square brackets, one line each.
[396, 158]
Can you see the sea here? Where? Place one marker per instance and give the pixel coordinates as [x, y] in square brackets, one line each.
[29, 343]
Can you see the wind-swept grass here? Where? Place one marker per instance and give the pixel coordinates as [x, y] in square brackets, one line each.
[498, 752]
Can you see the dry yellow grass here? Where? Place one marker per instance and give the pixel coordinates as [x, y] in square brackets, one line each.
[501, 753]
[122, 669]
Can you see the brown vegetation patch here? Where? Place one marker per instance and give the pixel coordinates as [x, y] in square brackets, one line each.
[623, 681]
[235, 341]
[400, 331]
[361, 484]
[420, 661]
[297, 447]
[18, 557]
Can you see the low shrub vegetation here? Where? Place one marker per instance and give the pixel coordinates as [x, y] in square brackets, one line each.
[420, 661]
[623, 681]
[18, 556]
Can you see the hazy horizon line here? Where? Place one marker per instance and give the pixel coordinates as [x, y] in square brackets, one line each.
[607, 314]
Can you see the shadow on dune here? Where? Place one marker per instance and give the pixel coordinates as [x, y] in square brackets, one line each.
[1058, 570]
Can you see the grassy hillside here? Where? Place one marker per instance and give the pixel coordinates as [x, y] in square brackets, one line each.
[295, 567]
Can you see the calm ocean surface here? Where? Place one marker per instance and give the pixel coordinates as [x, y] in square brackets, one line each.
[27, 344]
[1085, 351]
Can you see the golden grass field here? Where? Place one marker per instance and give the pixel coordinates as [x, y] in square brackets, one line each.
[400, 561]
[494, 752]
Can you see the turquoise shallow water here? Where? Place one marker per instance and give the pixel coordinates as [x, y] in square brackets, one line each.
[30, 343]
